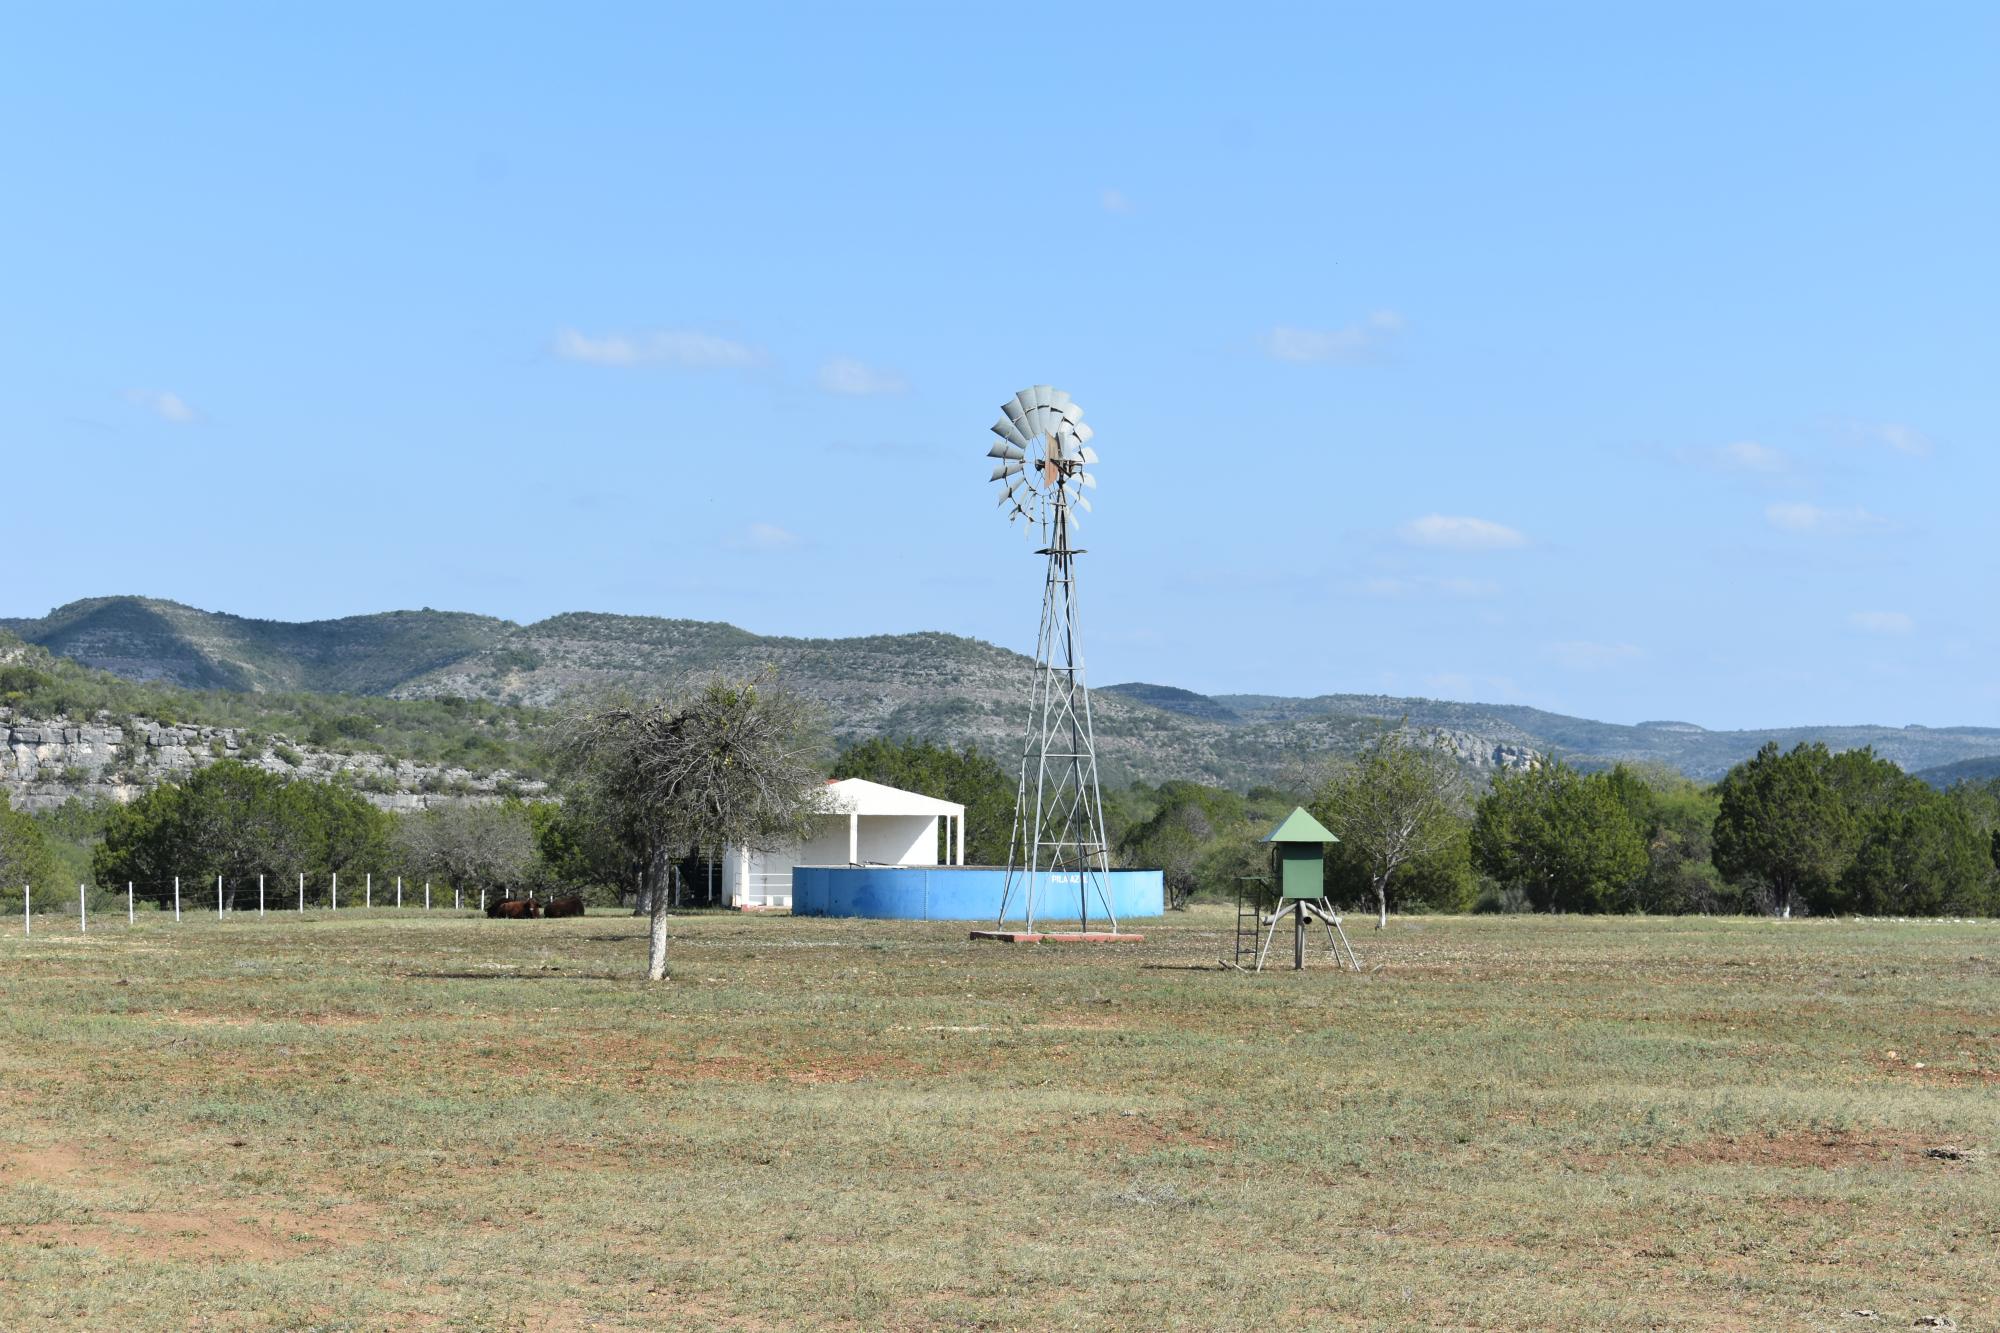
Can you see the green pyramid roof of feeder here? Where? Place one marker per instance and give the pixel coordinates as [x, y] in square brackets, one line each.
[1299, 826]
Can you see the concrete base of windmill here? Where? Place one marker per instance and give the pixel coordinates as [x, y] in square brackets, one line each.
[1057, 937]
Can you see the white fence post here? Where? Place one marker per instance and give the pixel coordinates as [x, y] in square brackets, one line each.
[27, 909]
[82, 913]
[457, 899]
[260, 895]
[336, 890]
[218, 897]
[368, 891]
[177, 897]
[302, 893]
[482, 900]
[399, 893]
[427, 895]
[131, 914]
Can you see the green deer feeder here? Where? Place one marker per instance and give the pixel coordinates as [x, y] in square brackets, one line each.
[1296, 889]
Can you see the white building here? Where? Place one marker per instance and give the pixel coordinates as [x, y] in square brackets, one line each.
[866, 824]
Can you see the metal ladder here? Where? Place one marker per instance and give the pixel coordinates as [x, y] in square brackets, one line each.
[1249, 921]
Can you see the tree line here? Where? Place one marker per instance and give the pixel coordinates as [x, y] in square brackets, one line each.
[1784, 832]
[648, 784]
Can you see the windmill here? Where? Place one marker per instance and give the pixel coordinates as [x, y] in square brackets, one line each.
[1058, 837]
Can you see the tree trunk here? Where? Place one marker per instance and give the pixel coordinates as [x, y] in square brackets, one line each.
[1382, 903]
[656, 952]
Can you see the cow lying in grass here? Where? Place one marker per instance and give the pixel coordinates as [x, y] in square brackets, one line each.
[515, 909]
[570, 906]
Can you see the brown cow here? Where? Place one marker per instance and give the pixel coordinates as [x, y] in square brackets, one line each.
[515, 909]
[570, 906]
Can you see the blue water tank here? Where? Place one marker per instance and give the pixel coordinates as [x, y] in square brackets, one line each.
[964, 893]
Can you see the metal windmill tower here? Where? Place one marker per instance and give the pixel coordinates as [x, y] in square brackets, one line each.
[1058, 838]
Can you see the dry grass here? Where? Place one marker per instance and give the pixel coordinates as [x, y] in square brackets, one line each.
[1507, 1123]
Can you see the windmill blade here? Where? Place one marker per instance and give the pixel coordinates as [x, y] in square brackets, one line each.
[1005, 450]
[1073, 413]
[1017, 416]
[1007, 431]
[1004, 470]
[1089, 456]
[1061, 401]
[1085, 502]
[1040, 394]
[1089, 482]
[1084, 433]
[1022, 406]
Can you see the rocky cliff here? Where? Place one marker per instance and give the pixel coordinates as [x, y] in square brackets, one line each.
[44, 763]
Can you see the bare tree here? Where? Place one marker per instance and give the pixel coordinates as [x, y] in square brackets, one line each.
[1401, 800]
[723, 763]
[471, 847]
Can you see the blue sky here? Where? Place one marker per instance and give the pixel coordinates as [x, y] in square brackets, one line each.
[1630, 361]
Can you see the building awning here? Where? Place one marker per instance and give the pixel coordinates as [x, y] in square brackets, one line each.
[859, 796]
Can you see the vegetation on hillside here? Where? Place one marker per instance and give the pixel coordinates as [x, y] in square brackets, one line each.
[954, 690]
[475, 734]
[369, 654]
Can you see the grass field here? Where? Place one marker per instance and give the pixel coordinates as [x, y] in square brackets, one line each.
[1522, 1123]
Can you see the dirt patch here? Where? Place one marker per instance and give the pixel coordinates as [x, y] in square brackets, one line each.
[41, 1164]
[1082, 1023]
[1134, 1132]
[221, 1232]
[244, 1228]
[851, 1070]
[1805, 1150]
[1932, 1075]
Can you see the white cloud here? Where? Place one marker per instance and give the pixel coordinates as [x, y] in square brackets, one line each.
[1461, 534]
[685, 348]
[765, 537]
[1583, 655]
[1882, 622]
[1904, 439]
[1810, 519]
[847, 376]
[1356, 342]
[1891, 435]
[1750, 456]
[1420, 585]
[166, 406]
[1114, 201]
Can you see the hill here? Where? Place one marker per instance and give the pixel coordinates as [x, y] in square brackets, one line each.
[70, 730]
[144, 638]
[1965, 770]
[927, 685]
